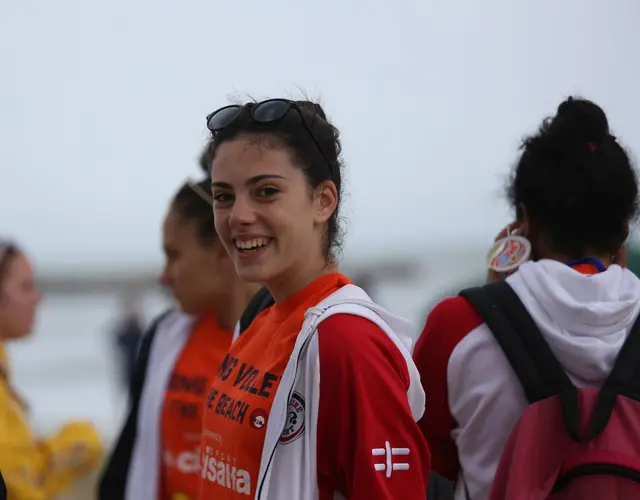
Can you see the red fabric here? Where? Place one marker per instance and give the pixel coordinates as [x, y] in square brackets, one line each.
[363, 406]
[539, 450]
[241, 395]
[448, 323]
[581, 457]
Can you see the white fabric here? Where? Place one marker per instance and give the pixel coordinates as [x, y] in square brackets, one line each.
[288, 471]
[171, 336]
[584, 318]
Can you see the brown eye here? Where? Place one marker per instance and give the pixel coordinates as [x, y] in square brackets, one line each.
[267, 191]
[222, 197]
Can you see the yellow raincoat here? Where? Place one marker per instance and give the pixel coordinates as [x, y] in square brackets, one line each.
[40, 469]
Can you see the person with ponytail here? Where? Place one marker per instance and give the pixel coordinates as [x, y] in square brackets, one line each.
[553, 322]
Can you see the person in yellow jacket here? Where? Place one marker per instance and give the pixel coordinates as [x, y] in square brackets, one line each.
[33, 468]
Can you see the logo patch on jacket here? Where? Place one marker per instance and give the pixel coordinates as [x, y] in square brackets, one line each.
[294, 426]
[258, 418]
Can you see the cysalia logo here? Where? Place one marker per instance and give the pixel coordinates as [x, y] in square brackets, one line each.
[218, 470]
[185, 461]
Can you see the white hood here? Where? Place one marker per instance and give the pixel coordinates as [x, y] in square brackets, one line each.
[584, 318]
[351, 299]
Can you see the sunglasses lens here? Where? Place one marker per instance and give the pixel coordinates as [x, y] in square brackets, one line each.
[270, 111]
[222, 118]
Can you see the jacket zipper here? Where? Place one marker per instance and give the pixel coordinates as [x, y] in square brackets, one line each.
[273, 451]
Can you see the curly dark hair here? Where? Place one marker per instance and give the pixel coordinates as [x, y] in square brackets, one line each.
[575, 181]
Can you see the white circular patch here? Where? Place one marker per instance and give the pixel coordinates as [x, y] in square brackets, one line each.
[294, 426]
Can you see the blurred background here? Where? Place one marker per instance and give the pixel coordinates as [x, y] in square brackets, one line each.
[102, 108]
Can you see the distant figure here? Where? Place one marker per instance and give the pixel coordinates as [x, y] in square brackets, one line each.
[128, 336]
[33, 467]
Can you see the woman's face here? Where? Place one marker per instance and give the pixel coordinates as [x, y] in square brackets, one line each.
[19, 298]
[198, 273]
[268, 218]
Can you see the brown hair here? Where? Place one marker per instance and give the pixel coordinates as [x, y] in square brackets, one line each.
[7, 252]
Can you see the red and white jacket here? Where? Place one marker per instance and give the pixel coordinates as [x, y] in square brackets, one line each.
[351, 395]
[473, 397]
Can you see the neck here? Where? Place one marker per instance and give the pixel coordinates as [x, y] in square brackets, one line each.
[605, 259]
[230, 307]
[297, 278]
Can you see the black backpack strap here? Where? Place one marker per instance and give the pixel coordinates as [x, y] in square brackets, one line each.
[624, 379]
[531, 358]
[439, 487]
[260, 301]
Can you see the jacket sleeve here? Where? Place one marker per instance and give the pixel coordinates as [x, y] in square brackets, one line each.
[369, 445]
[39, 470]
[113, 482]
[447, 325]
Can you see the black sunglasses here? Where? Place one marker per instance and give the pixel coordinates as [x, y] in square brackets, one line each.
[269, 111]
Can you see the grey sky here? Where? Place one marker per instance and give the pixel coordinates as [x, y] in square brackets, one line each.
[102, 107]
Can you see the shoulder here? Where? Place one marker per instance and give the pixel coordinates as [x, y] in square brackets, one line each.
[169, 317]
[448, 323]
[454, 311]
[171, 320]
[356, 343]
[164, 329]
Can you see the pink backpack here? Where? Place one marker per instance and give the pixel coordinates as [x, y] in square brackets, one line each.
[570, 443]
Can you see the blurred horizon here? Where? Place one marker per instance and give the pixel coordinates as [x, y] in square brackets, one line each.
[103, 108]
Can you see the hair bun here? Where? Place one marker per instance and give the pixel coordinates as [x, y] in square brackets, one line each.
[580, 120]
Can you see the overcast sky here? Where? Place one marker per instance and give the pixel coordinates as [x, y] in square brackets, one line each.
[102, 107]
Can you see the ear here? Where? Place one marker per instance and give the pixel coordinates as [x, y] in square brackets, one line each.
[325, 201]
[523, 221]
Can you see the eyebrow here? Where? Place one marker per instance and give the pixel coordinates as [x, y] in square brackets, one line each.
[252, 180]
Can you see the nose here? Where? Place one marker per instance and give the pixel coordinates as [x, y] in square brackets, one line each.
[242, 213]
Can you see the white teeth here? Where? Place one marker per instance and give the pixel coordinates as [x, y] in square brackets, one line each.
[251, 244]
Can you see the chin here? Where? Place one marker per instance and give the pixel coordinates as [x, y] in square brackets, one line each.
[187, 307]
[254, 274]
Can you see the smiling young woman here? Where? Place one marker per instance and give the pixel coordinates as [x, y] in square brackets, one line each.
[319, 397]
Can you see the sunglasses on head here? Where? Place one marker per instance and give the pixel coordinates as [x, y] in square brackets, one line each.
[269, 111]
[195, 187]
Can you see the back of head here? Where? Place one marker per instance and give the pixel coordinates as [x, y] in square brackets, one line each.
[575, 182]
[193, 203]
